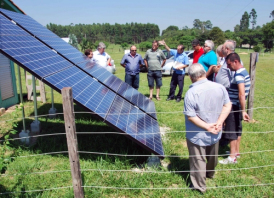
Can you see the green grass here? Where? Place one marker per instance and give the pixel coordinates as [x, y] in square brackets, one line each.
[169, 115]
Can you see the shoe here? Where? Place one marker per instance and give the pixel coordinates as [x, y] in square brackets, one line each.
[158, 98]
[237, 155]
[168, 99]
[228, 160]
[150, 98]
[178, 99]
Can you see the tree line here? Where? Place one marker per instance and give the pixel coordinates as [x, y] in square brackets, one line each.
[246, 32]
[117, 33]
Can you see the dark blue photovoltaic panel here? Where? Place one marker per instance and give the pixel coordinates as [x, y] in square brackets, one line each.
[134, 122]
[93, 93]
[29, 23]
[85, 89]
[77, 58]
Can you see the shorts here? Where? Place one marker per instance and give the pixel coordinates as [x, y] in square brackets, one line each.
[233, 124]
[154, 75]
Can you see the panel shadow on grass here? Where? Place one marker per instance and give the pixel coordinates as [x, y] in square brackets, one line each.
[85, 122]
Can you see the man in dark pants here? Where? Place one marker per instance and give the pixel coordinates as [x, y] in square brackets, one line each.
[132, 62]
[181, 62]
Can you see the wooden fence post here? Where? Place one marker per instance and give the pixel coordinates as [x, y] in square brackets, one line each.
[72, 142]
[252, 71]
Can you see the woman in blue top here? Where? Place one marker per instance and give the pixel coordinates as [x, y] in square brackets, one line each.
[208, 59]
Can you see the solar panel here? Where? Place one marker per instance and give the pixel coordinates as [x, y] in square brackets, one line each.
[58, 72]
[76, 57]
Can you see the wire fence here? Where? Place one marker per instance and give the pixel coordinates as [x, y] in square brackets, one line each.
[137, 170]
[103, 113]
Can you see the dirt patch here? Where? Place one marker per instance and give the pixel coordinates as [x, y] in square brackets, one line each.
[243, 53]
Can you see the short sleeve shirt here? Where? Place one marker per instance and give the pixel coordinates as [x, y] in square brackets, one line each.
[197, 55]
[181, 58]
[208, 59]
[204, 99]
[101, 59]
[154, 58]
[132, 63]
[240, 76]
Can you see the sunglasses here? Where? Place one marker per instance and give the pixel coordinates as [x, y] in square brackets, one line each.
[133, 50]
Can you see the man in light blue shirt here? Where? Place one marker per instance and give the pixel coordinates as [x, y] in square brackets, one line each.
[206, 107]
[178, 76]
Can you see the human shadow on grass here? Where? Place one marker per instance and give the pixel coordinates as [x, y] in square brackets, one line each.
[85, 122]
[180, 164]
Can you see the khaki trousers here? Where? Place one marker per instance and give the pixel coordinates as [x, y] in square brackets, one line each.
[200, 165]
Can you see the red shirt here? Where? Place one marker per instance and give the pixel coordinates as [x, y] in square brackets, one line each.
[196, 55]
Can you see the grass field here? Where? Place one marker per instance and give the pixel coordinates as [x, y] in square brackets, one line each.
[254, 167]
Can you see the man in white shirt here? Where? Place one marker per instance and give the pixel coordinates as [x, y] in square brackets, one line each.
[101, 57]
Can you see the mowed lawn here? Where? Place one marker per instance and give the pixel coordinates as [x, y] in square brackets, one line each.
[251, 177]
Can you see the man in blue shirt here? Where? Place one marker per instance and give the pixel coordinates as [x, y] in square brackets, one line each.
[181, 62]
[206, 107]
[132, 62]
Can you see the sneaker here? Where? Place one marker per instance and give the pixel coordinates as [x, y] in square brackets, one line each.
[228, 160]
[237, 155]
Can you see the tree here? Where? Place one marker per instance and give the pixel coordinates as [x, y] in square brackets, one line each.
[244, 23]
[253, 15]
[237, 28]
[202, 25]
[217, 36]
[238, 41]
[268, 34]
[272, 15]
[170, 28]
[73, 40]
[229, 35]
[186, 41]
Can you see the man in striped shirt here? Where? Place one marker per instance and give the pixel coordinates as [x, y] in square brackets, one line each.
[238, 91]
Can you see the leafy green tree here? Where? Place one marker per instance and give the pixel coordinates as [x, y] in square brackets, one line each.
[244, 22]
[253, 17]
[238, 41]
[268, 34]
[124, 45]
[229, 35]
[145, 45]
[73, 40]
[202, 25]
[237, 28]
[272, 15]
[186, 41]
[217, 36]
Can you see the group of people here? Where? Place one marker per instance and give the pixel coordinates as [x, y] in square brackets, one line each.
[215, 100]
[99, 57]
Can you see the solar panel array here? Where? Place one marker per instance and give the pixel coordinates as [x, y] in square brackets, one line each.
[59, 65]
[76, 57]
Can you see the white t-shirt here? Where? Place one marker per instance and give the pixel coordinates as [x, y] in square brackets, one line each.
[101, 59]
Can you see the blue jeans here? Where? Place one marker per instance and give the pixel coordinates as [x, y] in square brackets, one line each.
[132, 80]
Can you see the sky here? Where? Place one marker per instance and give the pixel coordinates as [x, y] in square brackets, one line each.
[224, 14]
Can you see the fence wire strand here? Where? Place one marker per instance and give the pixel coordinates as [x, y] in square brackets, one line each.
[98, 113]
[138, 171]
[129, 155]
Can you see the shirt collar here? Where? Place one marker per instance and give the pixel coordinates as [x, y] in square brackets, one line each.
[132, 56]
[198, 83]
